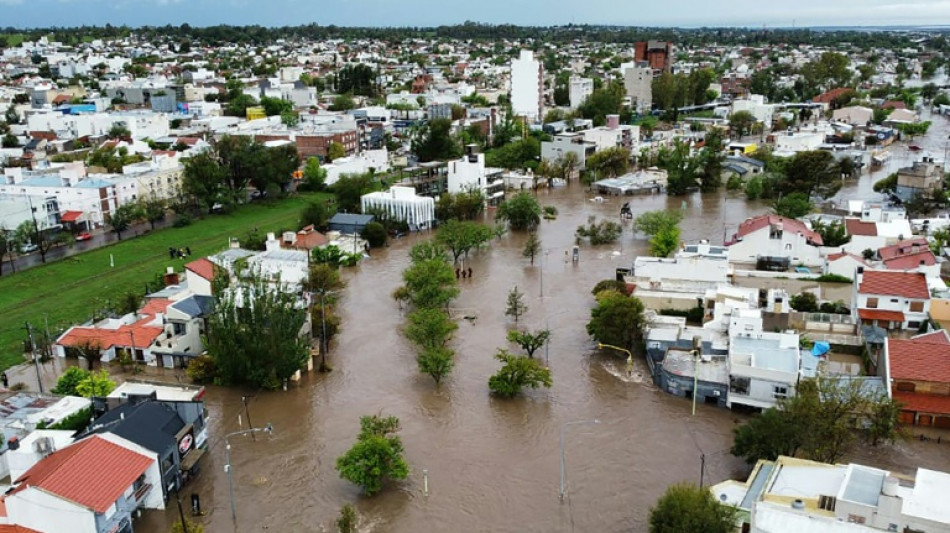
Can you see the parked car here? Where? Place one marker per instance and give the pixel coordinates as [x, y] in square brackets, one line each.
[83, 236]
[28, 247]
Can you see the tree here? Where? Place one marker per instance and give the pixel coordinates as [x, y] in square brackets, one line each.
[599, 232]
[95, 385]
[516, 373]
[253, 334]
[69, 380]
[29, 232]
[833, 234]
[683, 170]
[350, 188]
[153, 210]
[343, 102]
[609, 285]
[123, 217]
[375, 234]
[376, 457]
[740, 123]
[316, 214]
[431, 283]
[193, 527]
[348, 521]
[522, 212]
[518, 154]
[204, 179]
[465, 205]
[609, 163]
[314, 176]
[10, 141]
[275, 106]
[335, 151]
[9, 246]
[436, 362]
[430, 328]
[532, 246]
[666, 242]
[528, 341]
[434, 141]
[686, 507]
[804, 302]
[514, 305]
[119, 131]
[237, 106]
[461, 237]
[795, 205]
[652, 222]
[617, 319]
[711, 160]
[607, 100]
[767, 436]
[358, 79]
[813, 173]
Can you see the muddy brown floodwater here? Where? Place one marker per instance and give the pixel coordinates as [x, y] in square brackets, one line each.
[493, 465]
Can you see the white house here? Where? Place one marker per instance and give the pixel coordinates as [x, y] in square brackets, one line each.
[403, 204]
[375, 160]
[890, 299]
[764, 366]
[755, 104]
[470, 172]
[680, 282]
[527, 86]
[638, 82]
[96, 485]
[775, 238]
[579, 89]
[844, 264]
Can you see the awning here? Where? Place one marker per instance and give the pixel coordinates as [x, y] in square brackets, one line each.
[70, 216]
[191, 459]
[880, 314]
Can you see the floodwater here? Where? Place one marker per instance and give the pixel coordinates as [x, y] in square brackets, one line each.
[490, 464]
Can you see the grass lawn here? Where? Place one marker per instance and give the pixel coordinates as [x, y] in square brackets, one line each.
[67, 291]
[14, 39]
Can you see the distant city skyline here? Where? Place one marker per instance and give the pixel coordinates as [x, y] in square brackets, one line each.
[685, 13]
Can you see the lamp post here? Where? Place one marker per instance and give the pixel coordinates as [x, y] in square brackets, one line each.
[544, 253]
[601, 346]
[563, 427]
[227, 452]
[547, 342]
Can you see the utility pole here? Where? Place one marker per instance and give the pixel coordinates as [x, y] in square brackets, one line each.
[49, 344]
[36, 228]
[702, 469]
[247, 414]
[36, 362]
[184, 525]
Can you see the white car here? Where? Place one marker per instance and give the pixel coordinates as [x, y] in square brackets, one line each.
[28, 247]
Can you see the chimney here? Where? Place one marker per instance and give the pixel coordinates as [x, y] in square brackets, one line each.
[272, 244]
[915, 248]
[613, 122]
[170, 277]
[234, 243]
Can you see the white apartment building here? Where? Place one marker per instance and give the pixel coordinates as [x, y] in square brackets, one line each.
[527, 86]
[638, 81]
[470, 172]
[95, 198]
[579, 89]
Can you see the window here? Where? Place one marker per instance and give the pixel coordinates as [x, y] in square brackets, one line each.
[895, 301]
[179, 328]
[913, 324]
[906, 386]
[856, 519]
[917, 307]
[871, 303]
[827, 503]
[779, 391]
[739, 385]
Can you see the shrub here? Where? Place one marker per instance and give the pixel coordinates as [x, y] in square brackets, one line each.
[66, 385]
[609, 285]
[202, 369]
[833, 278]
[182, 220]
[375, 234]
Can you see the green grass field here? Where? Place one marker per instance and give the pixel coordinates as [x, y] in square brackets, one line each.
[14, 39]
[67, 291]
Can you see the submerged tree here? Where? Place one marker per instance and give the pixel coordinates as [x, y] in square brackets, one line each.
[516, 373]
[377, 455]
[515, 306]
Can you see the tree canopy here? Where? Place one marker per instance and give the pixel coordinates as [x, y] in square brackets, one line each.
[521, 212]
[377, 455]
[688, 508]
[617, 319]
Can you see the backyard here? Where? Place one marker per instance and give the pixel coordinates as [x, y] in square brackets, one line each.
[67, 292]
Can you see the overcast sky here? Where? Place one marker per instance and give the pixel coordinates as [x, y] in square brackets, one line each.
[756, 13]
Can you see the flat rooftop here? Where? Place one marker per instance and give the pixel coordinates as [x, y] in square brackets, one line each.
[165, 393]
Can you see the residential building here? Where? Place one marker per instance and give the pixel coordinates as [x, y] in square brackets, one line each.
[772, 242]
[290, 266]
[678, 282]
[657, 54]
[764, 366]
[614, 135]
[792, 495]
[890, 300]
[527, 87]
[402, 204]
[563, 143]
[922, 177]
[858, 116]
[579, 89]
[638, 82]
[919, 373]
[361, 163]
[755, 105]
[470, 172]
[96, 485]
[351, 223]
[94, 198]
[844, 264]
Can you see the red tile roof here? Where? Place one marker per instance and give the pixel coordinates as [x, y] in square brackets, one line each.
[894, 104]
[922, 358]
[923, 403]
[140, 332]
[828, 97]
[788, 224]
[906, 284]
[840, 255]
[856, 226]
[880, 314]
[911, 261]
[903, 248]
[70, 216]
[203, 267]
[11, 528]
[93, 473]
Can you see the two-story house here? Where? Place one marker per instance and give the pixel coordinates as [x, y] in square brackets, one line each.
[96, 485]
[919, 372]
[775, 241]
[890, 300]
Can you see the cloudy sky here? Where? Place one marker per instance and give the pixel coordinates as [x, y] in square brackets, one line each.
[756, 13]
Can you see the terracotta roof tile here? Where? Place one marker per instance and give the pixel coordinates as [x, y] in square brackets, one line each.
[923, 358]
[788, 224]
[203, 267]
[94, 472]
[906, 247]
[880, 314]
[906, 284]
[923, 403]
[856, 226]
[140, 332]
[841, 255]
[911, 261]
[11, 528]
[829, 96]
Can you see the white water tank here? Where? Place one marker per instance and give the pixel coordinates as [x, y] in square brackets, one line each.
[890, 486]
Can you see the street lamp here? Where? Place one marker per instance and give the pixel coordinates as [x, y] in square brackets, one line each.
[601, 346]
[547, 342]
[544, 253]
[563, 426]
[227, 451]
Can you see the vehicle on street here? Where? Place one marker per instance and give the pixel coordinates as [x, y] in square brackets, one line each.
[83, 236]
[28, 247]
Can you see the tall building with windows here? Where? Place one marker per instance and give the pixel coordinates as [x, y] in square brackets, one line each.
[527, 86]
